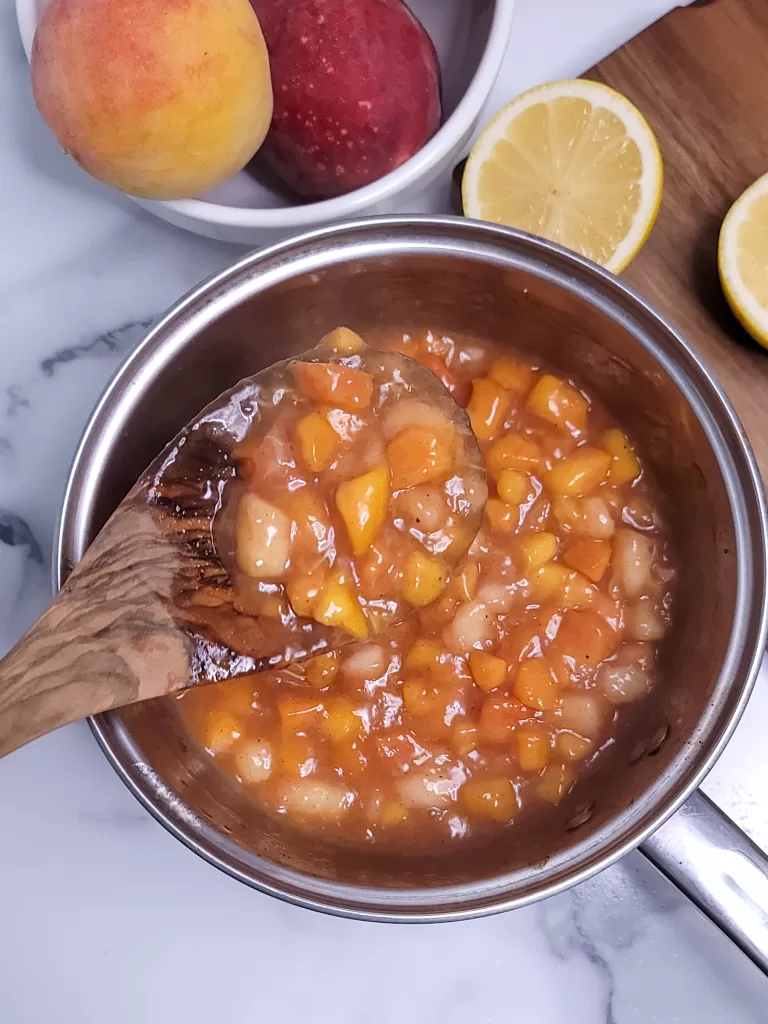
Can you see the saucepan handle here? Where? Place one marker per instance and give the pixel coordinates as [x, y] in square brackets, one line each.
[725, 874]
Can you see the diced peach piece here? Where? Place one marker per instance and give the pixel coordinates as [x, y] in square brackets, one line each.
[589, 557]
[548, 621]
[625, 466]
[343, 341]
[341, 721]
[487, 408]
[522, 641]
[425, 579]
[472, 627]
[336, 605]
[463, 587]
[500, 717]
[321, 670]
[366, 662]
[534, 746]
[392, 813]
[250, 600]
[557, 402]
[513, 451]
[271, 459]
[487, 670]
[236, 695]
[580, 473]
[535, 685]
[346, 425]
[296, 755]
[512, 374]
[424, 655]
[262, 537]
[433, 726]
[314, 799]
[300, 713]
[363, 503]
[555, 783]
[311, 525]
[424, 698]
[303, 592]
[430, 787]
[376, 573]
[332, 384]
[397, 751]
[538, 549]
[590, 517]
[253, 761]
[502, 517]
[586, 638]
[349, 755]
[572, 747]
[550, 582]
[464, 736]
[318, 441]
[645, 620]
[579, 592]
[633, 554]
[412, 412]
[425, 508]
[222, 731]
[490, 798]
[567, 589]
[458, 388]
[584, 712]
[628, 676]
[514, 487]
[420, 454]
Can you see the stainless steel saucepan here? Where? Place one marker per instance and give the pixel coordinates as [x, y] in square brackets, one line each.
[462, 277]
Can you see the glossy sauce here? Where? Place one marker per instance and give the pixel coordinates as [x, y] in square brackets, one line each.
[496, 696]
[359, 488]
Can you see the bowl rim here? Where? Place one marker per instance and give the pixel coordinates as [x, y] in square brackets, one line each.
[301, 216]
[742, 659]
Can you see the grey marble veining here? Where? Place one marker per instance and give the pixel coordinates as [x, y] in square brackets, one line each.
[105, 917]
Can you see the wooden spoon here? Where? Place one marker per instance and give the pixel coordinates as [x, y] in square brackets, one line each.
[129, 623]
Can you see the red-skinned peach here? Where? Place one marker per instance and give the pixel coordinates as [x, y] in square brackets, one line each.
[357, 91]
[160, 98]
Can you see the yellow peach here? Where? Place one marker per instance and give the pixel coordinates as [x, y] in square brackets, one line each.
[163, 99]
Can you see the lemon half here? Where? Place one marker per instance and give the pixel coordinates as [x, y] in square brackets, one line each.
[743, 259]
[574, 162]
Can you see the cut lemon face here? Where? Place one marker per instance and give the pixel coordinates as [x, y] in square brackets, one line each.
[743, 259]
[574, 162]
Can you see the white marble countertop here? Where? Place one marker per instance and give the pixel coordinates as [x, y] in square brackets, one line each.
[104, 917]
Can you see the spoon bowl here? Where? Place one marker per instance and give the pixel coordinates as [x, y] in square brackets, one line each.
[152, 607]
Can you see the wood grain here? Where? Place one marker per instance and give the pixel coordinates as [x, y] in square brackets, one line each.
[700, 76]
[107, 640]
[127, 625]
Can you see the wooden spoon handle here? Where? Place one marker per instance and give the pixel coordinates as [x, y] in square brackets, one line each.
[107, 640]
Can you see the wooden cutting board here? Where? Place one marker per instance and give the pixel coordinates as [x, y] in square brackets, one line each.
[700, 76]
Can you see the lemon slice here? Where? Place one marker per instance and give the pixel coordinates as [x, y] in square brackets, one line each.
[743, 259]
[574, 162]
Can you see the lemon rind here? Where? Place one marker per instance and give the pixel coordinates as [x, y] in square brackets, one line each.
[747, 310]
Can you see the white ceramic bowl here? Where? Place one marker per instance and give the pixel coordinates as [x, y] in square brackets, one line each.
[471, 38]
